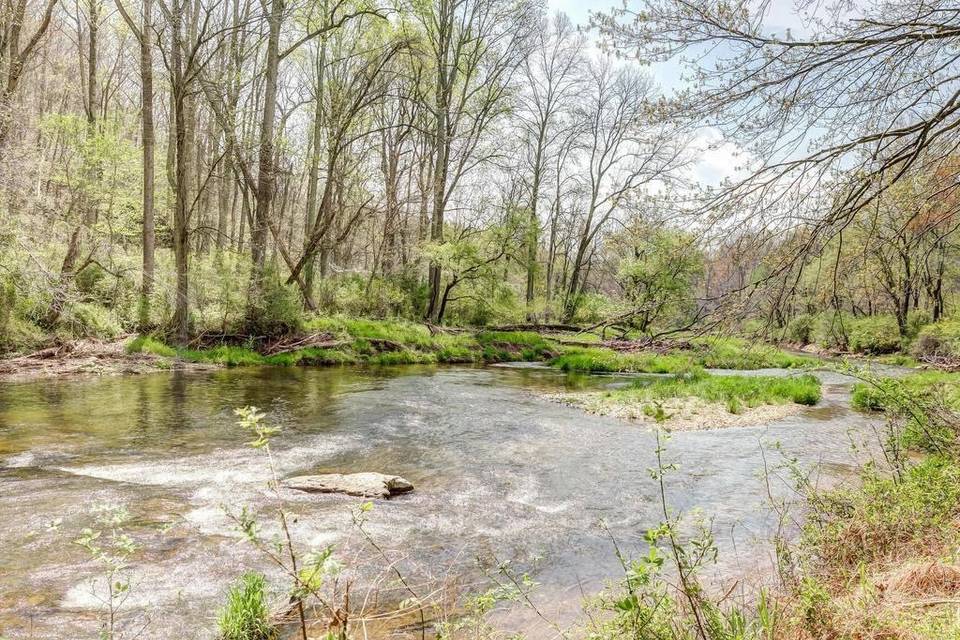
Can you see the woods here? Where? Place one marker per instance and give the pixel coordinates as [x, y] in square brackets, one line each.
[455, 161]
[199, 166]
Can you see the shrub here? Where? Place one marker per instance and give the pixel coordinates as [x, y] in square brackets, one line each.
[830, 329]
[917, 320]
[279, 310]
[940, 339]
[246, 616]
[887, 513]
[800, 328]
[16, 332]
[874, 335]
[89, 320]
[377, 297]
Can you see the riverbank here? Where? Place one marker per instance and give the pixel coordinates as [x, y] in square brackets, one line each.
[340, 340]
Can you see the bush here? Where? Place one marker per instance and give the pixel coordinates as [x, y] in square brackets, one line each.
[917, 320]
[800, 328]
[887, 514]
[89, 320]
[377, 297]
[279, 310]
[246, 616]
[830, 329]
[16, 333]
[874, 335]
[940, 339]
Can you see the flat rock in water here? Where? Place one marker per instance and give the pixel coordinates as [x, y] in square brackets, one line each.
[364, 485]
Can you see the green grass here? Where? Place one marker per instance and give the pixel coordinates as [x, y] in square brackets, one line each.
[881, 394]
[712, 353]
[866, 523]
[246, 615]
[147, 344]
[387, 342]
[733, 391]
[372, 342]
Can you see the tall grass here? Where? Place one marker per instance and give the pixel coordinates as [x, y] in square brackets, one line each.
[712, 353]
[246, 615]
[732, 391]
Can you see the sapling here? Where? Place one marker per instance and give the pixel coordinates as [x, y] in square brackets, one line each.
[308, 573]
[111, 547]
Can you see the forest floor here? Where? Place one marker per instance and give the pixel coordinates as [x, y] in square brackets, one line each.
[87, 357]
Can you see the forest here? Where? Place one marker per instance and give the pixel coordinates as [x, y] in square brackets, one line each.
[508, 249]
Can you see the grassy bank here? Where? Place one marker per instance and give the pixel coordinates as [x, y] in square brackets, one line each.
[879, 559]
[735, 392]
[376, 342]
[711, 353]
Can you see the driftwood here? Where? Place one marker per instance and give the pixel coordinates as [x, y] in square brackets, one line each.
[538, 327]
[635, 346]
[946, 363]
[286, 344]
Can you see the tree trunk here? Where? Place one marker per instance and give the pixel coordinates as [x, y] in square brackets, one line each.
[266, 177]
[146, 108]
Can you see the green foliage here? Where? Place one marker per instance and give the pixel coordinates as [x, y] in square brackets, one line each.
[874, 335]
[730, 390]
[90, 320]
[887, 514]
[377, 297]
[593, 307]
[246, 615]
[831, 328]
[148, 344]
[917, 320]
[737, 353]
[940, 339]
[374, 342]
[658, 276]
[278, 311]
[800, 328]
[111, 548]
[504, 346]
[922, 401]
[713, 353]
[16, 332]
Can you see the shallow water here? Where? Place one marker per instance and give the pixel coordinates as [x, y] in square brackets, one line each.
[500, 472]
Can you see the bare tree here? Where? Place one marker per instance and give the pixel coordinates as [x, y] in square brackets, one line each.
[623, 150]
[552, 75]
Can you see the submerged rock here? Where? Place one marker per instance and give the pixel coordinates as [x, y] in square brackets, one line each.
[364, 485]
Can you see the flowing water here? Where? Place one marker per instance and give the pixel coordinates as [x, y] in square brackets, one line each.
[500, 473]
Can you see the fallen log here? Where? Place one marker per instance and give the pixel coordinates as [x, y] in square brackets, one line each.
[537, 327]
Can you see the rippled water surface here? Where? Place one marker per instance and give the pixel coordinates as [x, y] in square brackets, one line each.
[500, 472]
